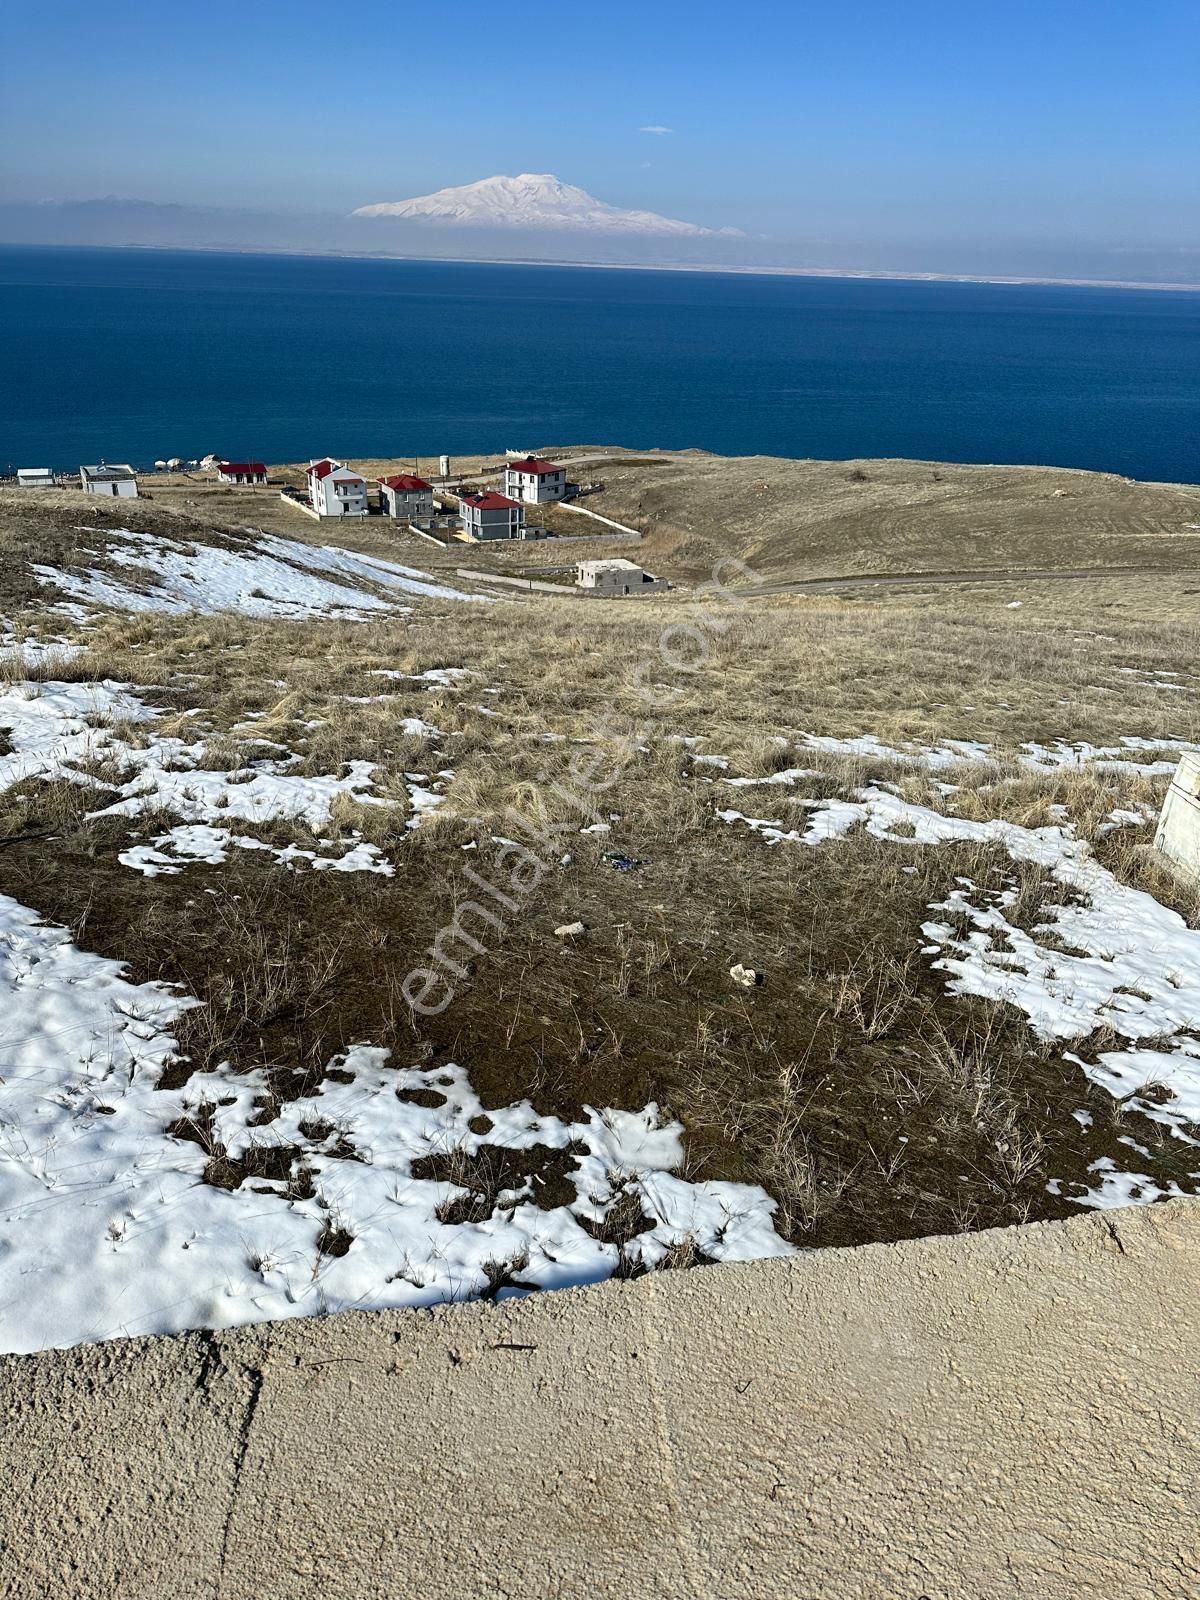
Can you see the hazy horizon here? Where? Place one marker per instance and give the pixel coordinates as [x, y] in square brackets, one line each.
[124, 224]
[1013, 140]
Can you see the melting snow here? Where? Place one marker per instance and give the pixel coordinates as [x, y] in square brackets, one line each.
[107, 1227]
[1112, 956]
[196, 842]
[265, 577]
[38, 652]
[50, 729]
[786, 778]
[1032, 755]
[953, 753]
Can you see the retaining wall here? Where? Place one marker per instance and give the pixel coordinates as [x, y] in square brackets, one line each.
[1005, 1414]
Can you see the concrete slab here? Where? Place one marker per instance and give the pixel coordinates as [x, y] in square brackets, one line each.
[118, 1459]
[1010, 1413]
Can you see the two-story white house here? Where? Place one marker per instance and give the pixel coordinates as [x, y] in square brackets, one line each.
[106, 480]
[535, 481]
[405, 496]
[490, 516]
[335, 490]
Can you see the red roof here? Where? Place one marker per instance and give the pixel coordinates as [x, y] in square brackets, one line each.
[490, 501]
[404, 480]
[533, 464]
[322, 469]
[244, 468]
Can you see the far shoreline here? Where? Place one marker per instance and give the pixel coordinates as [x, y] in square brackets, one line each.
[837, 275]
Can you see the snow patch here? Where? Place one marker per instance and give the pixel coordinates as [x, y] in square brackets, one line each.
[61, 731]
[1107, 956]
[192, 843]
[108, 1227]
[265, 577]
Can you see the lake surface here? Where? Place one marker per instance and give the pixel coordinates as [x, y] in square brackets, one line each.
[132, 355]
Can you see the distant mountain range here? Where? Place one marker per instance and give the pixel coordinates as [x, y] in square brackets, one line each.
[535, 200]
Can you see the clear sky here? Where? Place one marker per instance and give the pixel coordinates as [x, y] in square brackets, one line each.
[908, 119]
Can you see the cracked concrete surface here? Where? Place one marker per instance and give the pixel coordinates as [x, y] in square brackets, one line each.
[1009, 1413]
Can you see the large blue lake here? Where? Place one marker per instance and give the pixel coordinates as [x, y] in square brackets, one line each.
[132, 355]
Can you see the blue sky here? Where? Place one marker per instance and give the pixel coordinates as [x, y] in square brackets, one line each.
[1031, 120]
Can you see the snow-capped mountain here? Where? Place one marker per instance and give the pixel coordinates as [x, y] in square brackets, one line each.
[533, 200]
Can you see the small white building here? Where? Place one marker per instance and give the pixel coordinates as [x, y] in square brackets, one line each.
[105, 480]
[335, 490]
[405, 496]
[490, 516]
[35, 478]
[241, 472]
[535, 481]
[616, 576]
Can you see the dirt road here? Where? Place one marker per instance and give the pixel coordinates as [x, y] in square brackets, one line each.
[901, 580]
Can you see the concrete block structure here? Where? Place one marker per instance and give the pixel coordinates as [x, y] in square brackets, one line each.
[119, 481]
[616, 576]
[35, 478]
[1178, 835]
[535, 481]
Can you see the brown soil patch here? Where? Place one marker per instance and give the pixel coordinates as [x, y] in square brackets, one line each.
[868, 1102]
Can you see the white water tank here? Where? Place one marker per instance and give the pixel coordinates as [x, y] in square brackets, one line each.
[444, 466]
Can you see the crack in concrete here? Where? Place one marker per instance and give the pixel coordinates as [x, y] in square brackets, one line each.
[212, 1362]
[1113, 1234]
[255, 1376]
[882, 1390]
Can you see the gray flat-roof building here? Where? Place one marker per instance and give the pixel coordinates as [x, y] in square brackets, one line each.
[106, 480]
[616, 576]
[35, 478]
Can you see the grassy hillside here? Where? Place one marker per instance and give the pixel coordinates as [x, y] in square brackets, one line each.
[816, 519]
[918, 825]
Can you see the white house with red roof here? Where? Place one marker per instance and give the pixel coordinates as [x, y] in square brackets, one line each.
[490, 516]
[406, 496]
[335, 490]
[241, 472]
[535, 481]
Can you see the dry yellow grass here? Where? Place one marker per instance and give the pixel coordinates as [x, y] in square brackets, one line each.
[831, 1085]
[816, 519]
